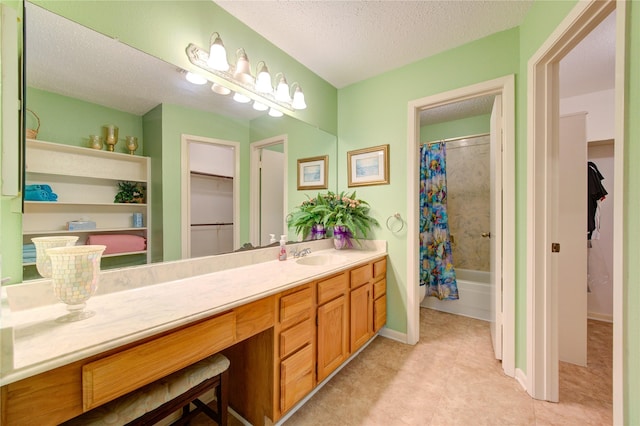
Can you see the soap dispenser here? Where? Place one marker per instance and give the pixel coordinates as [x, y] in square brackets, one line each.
[272, 238]
[283, 248]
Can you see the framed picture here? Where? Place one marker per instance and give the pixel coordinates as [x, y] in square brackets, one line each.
[369, 166]
[312, 172]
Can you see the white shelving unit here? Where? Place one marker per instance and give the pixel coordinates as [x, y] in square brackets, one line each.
[86, 182]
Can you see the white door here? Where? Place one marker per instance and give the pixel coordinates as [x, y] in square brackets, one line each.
[271, 195]
[572, 236]
[495, 237]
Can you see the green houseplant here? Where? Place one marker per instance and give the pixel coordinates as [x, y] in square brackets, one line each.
[344, 214]
[129, 192]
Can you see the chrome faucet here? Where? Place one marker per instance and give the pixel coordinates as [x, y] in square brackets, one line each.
[301, 253]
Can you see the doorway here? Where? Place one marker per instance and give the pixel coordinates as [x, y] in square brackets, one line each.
[542, 199]
[506, 274]
[268, 202]
[209, 196]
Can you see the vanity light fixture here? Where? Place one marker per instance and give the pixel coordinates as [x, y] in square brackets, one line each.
[298, 97]
[239, 77]
[243, 69]
[259, 106]
[220, 89]
[263, 79]
[275, 113]
[239, 97]
[217, 54]
[282, 90]
[195, 78]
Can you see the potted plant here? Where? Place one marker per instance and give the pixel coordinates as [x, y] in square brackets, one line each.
[130, 192]
[345, 215]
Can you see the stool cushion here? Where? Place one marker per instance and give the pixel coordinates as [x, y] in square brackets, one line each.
[141, 401]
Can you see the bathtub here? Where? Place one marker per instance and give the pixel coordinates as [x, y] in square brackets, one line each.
[474, 289]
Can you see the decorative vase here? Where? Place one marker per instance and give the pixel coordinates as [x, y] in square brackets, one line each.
[110, 136]
[43, 263]
[95, 141]
[132, 144]
[341, 238]
[74, 273]
[318, 232]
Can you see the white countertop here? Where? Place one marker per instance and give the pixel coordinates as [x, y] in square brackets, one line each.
[41, 344]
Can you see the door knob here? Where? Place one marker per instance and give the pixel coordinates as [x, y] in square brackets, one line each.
[486, 235]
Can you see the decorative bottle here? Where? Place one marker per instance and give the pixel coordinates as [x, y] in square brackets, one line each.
[283, 248]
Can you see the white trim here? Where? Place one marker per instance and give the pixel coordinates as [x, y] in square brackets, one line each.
[185, 189]
[521, 378]
[393, 335]
[600, 317]
[542, 135]
[618, 214]
[506, 87]
[254, 186]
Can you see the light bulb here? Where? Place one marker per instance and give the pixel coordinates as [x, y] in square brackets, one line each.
[282, 91]
[218, 55]
[259, 107]
[263, 80]
[298, 99]
[220, 89]
[239, 97]
[195, 78]
[275, 113]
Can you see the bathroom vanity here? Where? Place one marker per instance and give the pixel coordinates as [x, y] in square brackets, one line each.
[285, 326]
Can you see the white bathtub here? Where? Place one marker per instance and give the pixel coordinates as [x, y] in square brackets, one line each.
[474, 289]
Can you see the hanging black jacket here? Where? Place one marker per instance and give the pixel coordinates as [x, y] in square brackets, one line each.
[595, 192]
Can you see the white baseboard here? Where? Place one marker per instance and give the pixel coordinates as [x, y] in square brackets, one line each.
[521, 378]
[600, 317]
[393, 335]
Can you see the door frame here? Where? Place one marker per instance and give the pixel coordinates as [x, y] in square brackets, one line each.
[506, 87]
[185, 189]
[254, 185]
[542, 141]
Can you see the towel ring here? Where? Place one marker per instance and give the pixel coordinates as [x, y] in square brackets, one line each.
[399, 218]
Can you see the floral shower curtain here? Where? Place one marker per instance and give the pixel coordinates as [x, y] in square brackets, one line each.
[436, 265]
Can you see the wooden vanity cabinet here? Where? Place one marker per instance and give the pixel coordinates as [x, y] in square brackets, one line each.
[295, 346]
[361, 310]
[379, 281]
[332, 324]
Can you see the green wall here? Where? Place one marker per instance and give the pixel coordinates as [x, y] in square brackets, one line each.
[469, 126]
[374, 112]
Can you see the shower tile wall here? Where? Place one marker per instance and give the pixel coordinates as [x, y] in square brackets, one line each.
[468, 201]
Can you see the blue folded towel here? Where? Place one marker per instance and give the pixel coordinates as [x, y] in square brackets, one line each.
[28, 259]
[37, 186]
[39, 195]
[29, 246]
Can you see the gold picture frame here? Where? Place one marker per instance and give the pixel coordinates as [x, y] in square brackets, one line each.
[313, 172]
[368, 166]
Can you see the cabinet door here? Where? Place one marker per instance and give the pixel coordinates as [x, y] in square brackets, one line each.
[332, 336]
[379, 313]
[296, 377]
[361, 316]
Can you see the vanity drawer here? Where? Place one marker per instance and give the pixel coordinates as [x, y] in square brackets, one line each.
[108, 378]
[295, 307]
[360, 276]
[331, 288]
[379, 288]
[379, 313]
[295, 338]
[296, 377]
[380, 268]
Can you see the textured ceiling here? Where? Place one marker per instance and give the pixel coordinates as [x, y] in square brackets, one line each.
[348, 41]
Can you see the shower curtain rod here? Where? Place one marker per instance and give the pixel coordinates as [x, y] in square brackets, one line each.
[454, 139]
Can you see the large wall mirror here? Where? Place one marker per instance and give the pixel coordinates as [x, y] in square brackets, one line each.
[79, 80]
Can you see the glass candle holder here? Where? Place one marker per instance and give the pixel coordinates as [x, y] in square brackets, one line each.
[132, 144]
[75, 272]
[95, 142]
[110, 136]
[43, 263]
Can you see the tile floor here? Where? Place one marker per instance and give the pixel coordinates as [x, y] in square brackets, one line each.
[451, 378]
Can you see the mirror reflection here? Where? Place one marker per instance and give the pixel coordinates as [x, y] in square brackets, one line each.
[79, 81]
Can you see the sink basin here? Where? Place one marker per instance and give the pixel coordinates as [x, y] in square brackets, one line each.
[321, 259]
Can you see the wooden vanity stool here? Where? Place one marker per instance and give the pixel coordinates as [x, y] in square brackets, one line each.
[157, 400]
